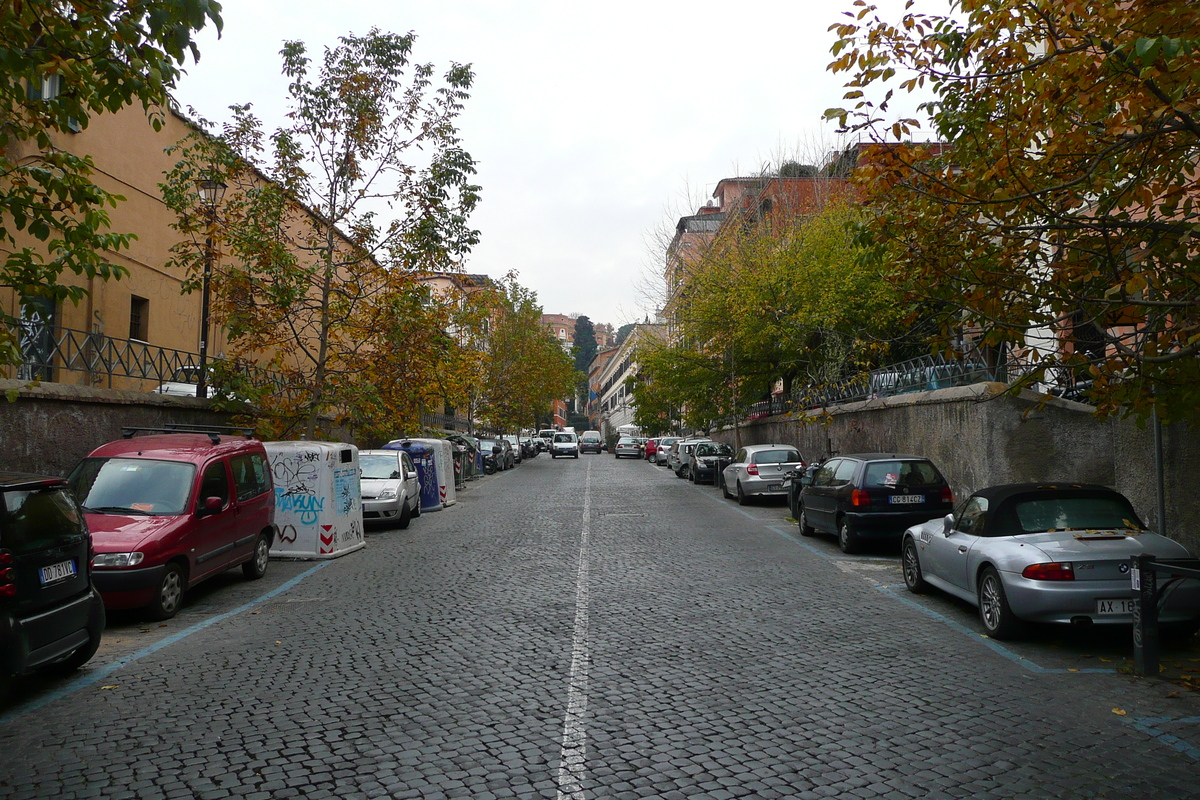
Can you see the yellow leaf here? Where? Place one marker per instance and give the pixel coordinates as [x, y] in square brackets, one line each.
[109, 687]
[1120, 712]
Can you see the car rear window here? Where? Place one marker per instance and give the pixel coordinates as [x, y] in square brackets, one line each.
[135, 485]
[39, 519]
[1075, 513]
[886, 474]
[777, 457]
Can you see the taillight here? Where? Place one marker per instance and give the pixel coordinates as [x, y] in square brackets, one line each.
[947, 496]
[8, 575]
[1054, 571]
[752, 469]
[860, 498]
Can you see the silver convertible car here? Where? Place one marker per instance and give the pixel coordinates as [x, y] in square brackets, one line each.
[1043, 553]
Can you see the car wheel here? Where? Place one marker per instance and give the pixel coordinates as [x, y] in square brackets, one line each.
[913, 578]
[724, 487]
[405, 515]
[847, 539]
[802, 521]
[256, 567]
[994, 612]
[169, 596]
[741, 496]
[417, 509]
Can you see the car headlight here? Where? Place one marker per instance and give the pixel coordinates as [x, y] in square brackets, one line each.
[386, 494]
[117, 559]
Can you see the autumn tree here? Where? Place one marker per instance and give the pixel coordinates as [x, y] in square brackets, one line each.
[366, 186]
[1060, 225]
[64, 62]
[786, 302]
[524, 366]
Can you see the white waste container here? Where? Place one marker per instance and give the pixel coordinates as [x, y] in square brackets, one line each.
[318, 504]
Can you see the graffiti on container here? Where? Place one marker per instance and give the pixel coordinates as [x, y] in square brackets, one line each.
[287, 534]
[297, 473]
[352, 535]
[307, 506]
[345, 481]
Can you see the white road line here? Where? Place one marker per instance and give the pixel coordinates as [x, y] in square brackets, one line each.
[574, 739]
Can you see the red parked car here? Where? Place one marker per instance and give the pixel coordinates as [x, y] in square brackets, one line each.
[651, 448]
[168, 511]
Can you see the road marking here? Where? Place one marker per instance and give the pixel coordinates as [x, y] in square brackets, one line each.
[84, 681]
[1150, 727]
[574, 739]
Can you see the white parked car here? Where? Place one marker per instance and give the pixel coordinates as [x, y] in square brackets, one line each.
[391, 492]
[564, 444]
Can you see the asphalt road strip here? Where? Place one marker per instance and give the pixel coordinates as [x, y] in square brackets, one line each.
[95, 676]
[573, 757]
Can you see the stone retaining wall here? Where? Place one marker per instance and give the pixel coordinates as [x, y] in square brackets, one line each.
[980, 437]
[47, 428]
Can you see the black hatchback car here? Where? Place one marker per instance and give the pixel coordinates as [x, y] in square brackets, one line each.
[869, 496]
[50, 615]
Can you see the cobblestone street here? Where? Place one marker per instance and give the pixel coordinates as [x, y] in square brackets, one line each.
[594, 628]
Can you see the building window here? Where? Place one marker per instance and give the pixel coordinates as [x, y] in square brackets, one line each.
[139, 318]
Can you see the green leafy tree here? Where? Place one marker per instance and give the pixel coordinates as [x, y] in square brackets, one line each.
[368, 184]
[1061, 226]
[789, 302]
[585, 344]
[62, 63]
[524, 367]
[624, 331]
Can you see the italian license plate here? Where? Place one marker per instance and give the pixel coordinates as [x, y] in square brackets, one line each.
[774, 487]
[1122, 607]
[906, 499]
[57, 572]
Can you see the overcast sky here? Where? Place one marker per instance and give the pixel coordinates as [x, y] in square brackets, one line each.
[592, 125]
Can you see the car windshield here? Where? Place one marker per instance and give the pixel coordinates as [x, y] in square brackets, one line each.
[133, 485]
[777, 457]
[379, 467]
[714, 449]
[38, 519]
[667, 442]
[1075, 514]
[884, 474]
[564, 437]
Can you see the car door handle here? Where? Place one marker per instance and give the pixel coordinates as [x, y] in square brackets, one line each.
[962, 549]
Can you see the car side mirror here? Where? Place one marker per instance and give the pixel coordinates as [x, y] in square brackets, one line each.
[947, 525]
[212, 505]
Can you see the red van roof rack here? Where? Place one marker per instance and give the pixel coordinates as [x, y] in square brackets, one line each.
[213, 432]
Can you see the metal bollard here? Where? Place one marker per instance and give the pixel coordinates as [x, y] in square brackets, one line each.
[1145, 615]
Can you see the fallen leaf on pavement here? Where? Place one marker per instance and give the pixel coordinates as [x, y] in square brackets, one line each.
[1120, 712]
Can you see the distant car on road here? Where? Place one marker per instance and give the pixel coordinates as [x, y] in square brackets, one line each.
[708, 460]
[662, 451]
[1044, 553]
[591, 442]
[870, 496]
[564, 444]
[627, 446]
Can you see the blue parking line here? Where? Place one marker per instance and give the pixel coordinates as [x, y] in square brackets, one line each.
[1148, 726]
[987, 641]
[84, 681]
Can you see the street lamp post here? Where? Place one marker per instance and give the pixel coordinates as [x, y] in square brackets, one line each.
[211, 191]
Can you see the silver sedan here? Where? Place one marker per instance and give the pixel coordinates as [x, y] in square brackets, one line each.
[758, 469]
[1037, 553]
